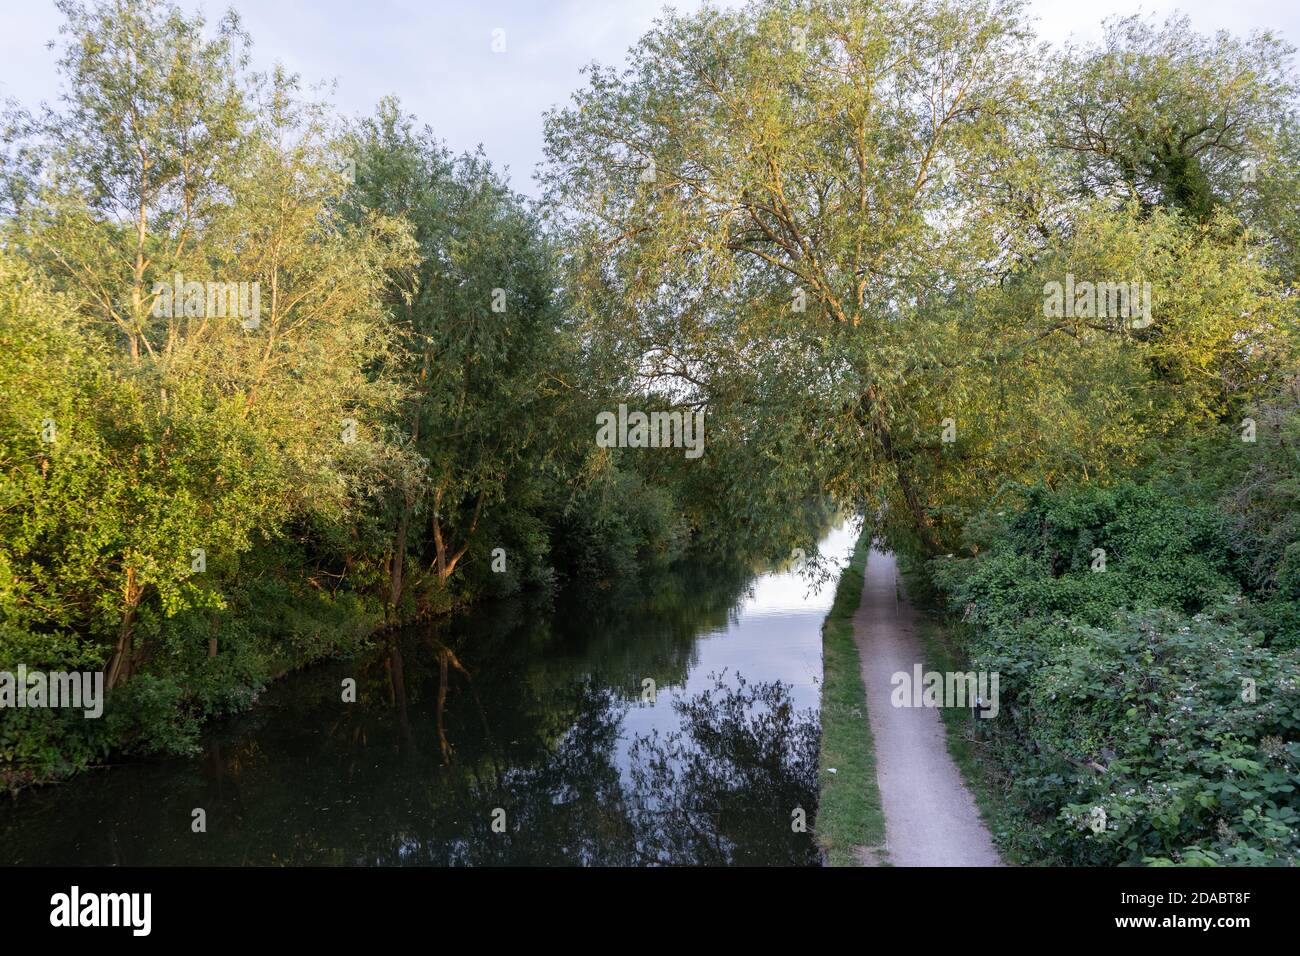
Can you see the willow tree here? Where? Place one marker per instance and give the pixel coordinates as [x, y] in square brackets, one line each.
[771, 196]
[1162, 115]
[137, 154]
[833, 222]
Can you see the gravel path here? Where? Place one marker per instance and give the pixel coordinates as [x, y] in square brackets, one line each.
[930, 817]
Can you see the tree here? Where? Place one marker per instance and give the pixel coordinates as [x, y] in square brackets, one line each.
[476, 312]
[1164, 115]
[213, 418]
[837, 221]
[139, 156]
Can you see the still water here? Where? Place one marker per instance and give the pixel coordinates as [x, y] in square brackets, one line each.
[523, 732]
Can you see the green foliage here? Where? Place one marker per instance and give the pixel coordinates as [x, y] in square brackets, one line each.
[47, 743]
[1163, 115]
[1158, 552]
[1145, 718]
[829, 225]
[1147, 690]
[618, 523]
[846, 264]
[197, 504]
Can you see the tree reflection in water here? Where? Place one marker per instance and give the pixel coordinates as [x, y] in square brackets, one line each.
[724, 788]
[719, 790]
[517, 707]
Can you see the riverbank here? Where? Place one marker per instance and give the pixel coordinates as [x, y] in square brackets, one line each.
[849, 817]
[164, 710]
[195, 670]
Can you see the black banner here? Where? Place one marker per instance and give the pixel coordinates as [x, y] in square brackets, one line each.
[334, 905]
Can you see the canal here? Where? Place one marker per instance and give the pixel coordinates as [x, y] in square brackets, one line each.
[673, 721]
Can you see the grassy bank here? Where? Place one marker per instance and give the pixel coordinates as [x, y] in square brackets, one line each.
[848, 811]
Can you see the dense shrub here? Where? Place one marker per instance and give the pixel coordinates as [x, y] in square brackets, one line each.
[1151, 722]
[1158, 552]
[618, 523]
[1145, 716]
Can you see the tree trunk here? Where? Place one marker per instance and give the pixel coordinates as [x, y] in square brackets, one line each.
[403, 532]
[439, 546]
[443, 563]
[399, 555]
[119, 668]
[920, 517]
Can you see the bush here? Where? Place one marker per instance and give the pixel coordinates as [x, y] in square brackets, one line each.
[616, 525]
[1151, 721]
[1145, 715]
[1158, 552]
[271, 628]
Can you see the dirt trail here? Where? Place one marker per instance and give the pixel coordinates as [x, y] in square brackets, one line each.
[930, 817]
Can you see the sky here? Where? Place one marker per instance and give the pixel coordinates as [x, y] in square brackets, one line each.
[437, 56]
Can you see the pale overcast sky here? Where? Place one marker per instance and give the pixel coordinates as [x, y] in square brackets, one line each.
[436, 55]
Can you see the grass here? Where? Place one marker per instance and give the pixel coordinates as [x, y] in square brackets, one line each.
[849, 816]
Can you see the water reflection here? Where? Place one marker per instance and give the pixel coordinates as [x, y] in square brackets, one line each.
[730, 786]
[525, 715]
